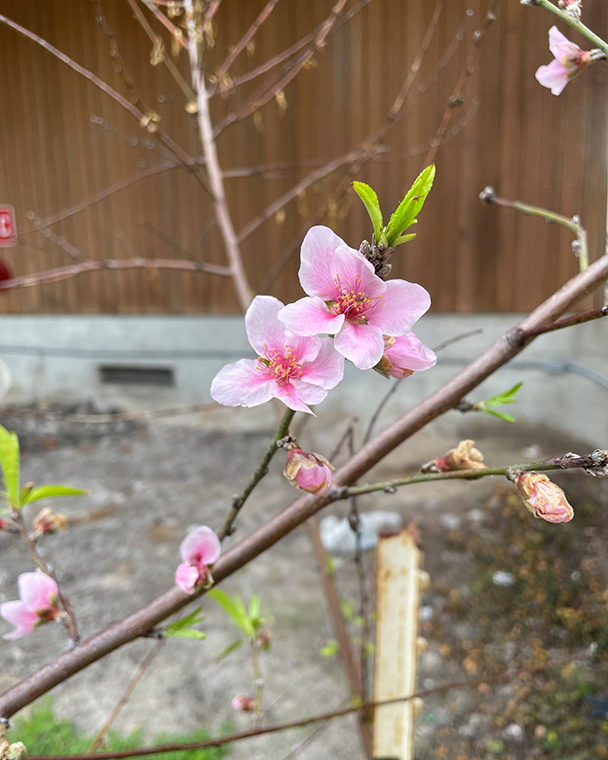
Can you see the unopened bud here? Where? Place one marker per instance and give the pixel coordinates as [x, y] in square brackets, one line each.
[241, 702]
[48, 521]
[5, 524]
[15, 751]
[543, 498]
[308, 472]
[464, 457]
[264, 639]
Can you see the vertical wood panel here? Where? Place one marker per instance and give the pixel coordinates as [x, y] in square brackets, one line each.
[524, 141]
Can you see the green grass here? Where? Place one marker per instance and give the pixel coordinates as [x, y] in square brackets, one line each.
[44, 733]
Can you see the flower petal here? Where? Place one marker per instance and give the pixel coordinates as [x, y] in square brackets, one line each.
[363, 345]
[186, 577]
[35, 589]
[400, 308]
[310, 316]
[201, 547]
[327, 369]
[262, 324]
[407, 352]
[559, 44]
[316, 271]
[297, 395]
[18, 614]
[354, 273]
[246, 383]
[554, 76]
[304, 347]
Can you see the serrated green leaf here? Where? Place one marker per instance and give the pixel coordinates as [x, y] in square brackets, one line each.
[500, 415]
[370, 201]
[254, 608]
[409, 208]
[228, 650]
[186, 622]
[186, 633]
[49, 492]
[234, 607]
[9, 464]
[404, 239]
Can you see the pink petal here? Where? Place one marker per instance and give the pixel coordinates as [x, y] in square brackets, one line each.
[400, 308]
[36, 590]
[297, 395]
[554, 76]
[246, 383]
[18, 614]
[262, 324]
[310, 316]
[363, 345]
[317, 479]
[304, 347]
[355, 273]
[327, 369]
[559, 44]
[201, 547]
[186, 577]
[316, 272]
[407, 352]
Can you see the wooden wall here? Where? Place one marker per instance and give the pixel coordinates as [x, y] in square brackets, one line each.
[62, 141]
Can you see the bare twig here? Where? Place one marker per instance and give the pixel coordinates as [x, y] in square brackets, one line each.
[579, 246]
[139, 674]
[447, 397]
[576, 319]
[246, 38]
[176, 33]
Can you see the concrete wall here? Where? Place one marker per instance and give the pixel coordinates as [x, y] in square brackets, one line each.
[57, 359]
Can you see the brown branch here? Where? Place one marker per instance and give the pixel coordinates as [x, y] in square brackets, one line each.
[521, 337]
[457, 97]
[71, 624]
[139, 674]
[339, 713]
[211, 10]
[246, 38]
[160, 16]
[120, 67]
[447, 397]
[65, 273]
[267, 91]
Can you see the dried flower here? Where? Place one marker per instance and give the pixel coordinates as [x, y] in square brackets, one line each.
[15, 751]
[38, 604]
[543, 498]
[464, 457]
[200, 550]
[308, 472]
[241, 702]
[48, 521]
[569, 61]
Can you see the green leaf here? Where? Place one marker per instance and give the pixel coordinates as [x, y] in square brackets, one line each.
[9, 463]
[185, 622]
[330, 649]
[254, 609]
[500, 415]
[235, 608]
[409, 208]
[49, 492]
[404, 239]
[370, 201]
[348, 608]
[228, 650]
[186, 633]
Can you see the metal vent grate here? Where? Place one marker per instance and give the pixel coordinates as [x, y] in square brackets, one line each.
[121, 374]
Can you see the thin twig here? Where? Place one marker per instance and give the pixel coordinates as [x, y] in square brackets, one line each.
[176, 33]
[262, 469]
[139, 674]
[447, 397]
[573, 22]
[246, 38]
[559, 324]
[579, 246]
[71, 624]
[339, 713]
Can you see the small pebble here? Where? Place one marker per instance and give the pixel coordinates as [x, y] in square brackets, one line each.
[450, 521]
[502, 578]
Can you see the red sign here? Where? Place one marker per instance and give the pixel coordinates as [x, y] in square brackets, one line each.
[8, 228]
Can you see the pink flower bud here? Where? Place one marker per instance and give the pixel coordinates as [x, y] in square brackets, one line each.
[241, 702]
[5, 524]
[464, 457]
[38, 604]
[309, 472]
[403, 356]
[200, 550]
[543, 498]
[47, 521]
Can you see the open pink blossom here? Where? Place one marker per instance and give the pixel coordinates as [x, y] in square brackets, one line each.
[38, 604]
[404, 355]
[347, 299]
[295, 369]
[308, 472]
[569, 61]
[200, 550]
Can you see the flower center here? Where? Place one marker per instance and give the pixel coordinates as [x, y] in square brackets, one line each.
[285, 367]
[352, 303]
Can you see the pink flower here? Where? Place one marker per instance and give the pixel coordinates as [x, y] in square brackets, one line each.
[241, 702]
[200, 549]
[347, 299]
[297, 370]
[404, 355]
[39, 603]
[569, 62]
[309, 472]
[543, 498]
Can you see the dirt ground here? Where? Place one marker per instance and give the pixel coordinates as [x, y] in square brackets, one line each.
[150, 484]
